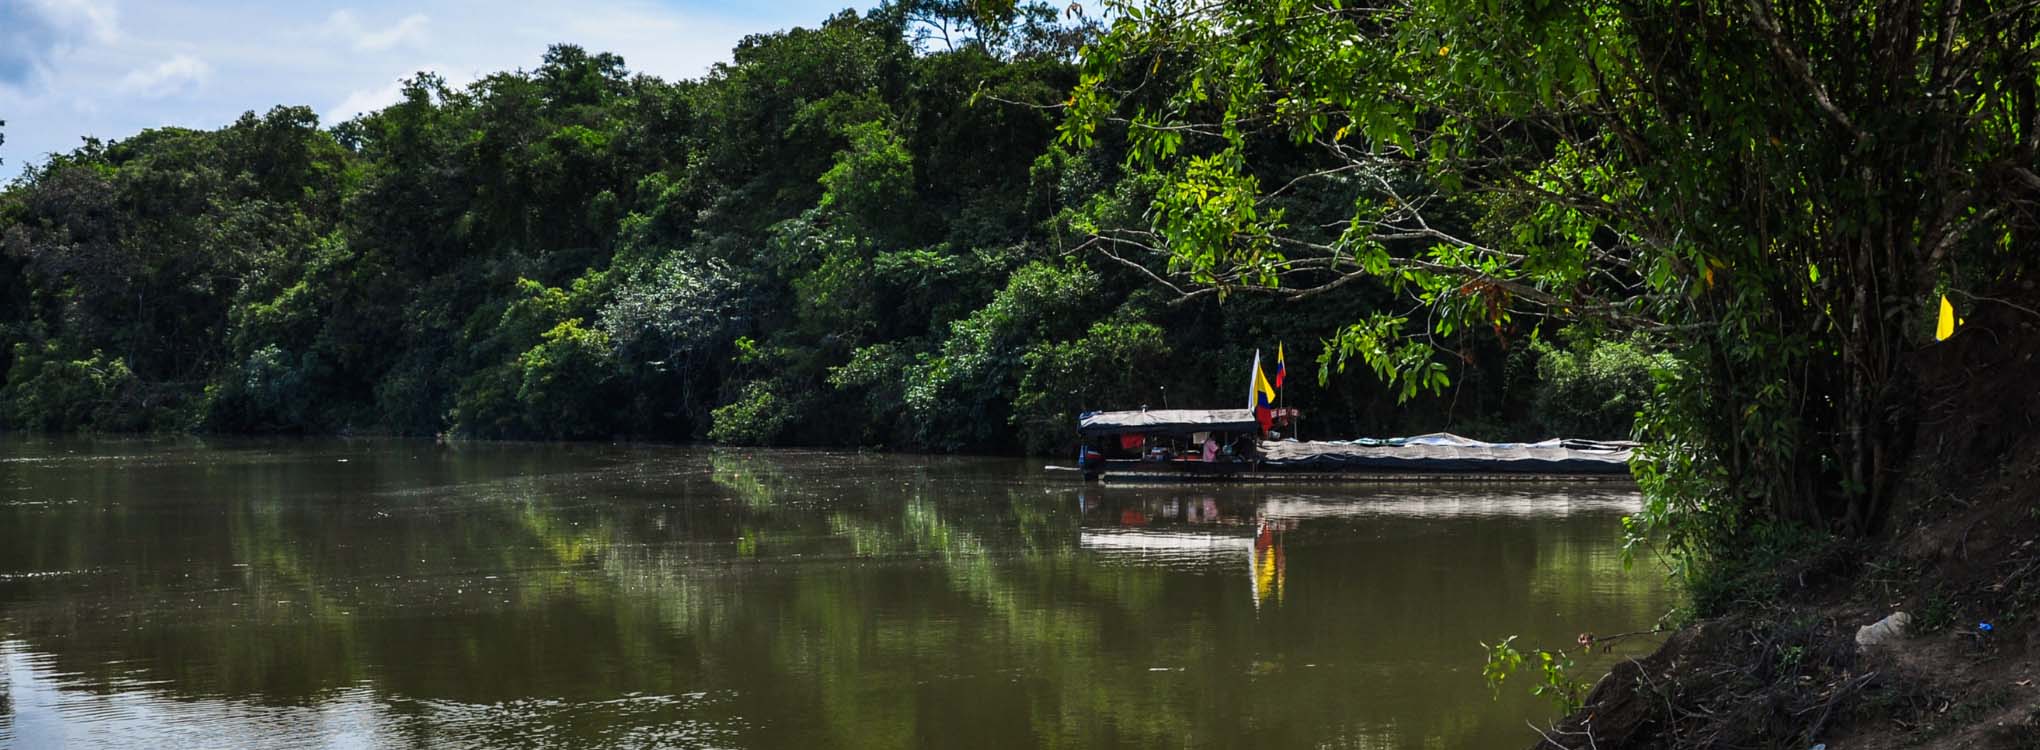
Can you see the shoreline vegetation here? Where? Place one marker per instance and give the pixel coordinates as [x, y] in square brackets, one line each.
[1725, 229]
[845, 237]
[850, 235]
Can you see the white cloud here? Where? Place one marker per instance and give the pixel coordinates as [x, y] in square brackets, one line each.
[364, 101]
[167, 77]
[36, 34]
[98, 20]
[112, 68]
[409, 32]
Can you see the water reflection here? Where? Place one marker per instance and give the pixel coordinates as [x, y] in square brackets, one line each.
[58, 710]
[379, 594]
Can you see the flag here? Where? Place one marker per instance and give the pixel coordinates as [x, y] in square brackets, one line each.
[1261, 396]
[1281, 368]
[1945, 327]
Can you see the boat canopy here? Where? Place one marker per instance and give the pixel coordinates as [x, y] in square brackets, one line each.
[1166, 422]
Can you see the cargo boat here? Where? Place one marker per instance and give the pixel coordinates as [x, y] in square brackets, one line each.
[1236, 444]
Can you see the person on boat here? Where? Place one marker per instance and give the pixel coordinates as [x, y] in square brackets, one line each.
[1210, 449]
[1242, 448]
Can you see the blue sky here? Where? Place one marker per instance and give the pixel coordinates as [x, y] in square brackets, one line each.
[110, 68]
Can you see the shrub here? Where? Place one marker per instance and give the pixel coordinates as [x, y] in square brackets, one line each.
[958, 397]
[1110, 364]
[268, 392]
[47, 390]
[564, 382]
[1593, 387]
[757, 417]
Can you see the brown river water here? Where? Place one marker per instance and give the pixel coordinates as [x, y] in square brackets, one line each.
[387, 593]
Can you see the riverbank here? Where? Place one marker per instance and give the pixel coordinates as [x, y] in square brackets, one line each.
[1961, 559]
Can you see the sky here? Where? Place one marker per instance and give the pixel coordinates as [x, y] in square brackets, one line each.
[111, 68]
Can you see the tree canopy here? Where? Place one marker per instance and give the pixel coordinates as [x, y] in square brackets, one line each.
[1781, 189]
[855, 233]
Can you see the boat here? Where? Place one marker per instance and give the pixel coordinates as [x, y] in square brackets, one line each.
[1236, 444]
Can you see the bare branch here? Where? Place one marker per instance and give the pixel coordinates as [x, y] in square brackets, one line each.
[1768, 24]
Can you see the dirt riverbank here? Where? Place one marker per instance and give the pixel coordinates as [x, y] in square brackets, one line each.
[1962, 559]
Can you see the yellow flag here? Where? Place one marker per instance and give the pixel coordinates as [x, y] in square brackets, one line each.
[1946, 326]
[1264, 393]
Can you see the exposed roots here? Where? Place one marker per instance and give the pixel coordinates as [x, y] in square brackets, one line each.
[1743, 683]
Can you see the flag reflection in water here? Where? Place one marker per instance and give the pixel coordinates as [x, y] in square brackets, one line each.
[1189, 532]
[1270, 565]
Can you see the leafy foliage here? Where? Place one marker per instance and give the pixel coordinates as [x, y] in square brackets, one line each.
[860, 232]
[1779, 187]
[758, 416]
[1555, 681]
[1059, 378]
[1594, 386]
[48, 390]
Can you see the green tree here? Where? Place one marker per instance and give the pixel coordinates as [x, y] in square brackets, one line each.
[961, 396]
[845, 235]
[1781, 186]
[48, 390]
[872, 181]
[1109, 364]
[565, 384]
[1592, 387]
[1009, 29]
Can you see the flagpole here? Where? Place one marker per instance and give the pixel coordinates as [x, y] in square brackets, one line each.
[1250, 380]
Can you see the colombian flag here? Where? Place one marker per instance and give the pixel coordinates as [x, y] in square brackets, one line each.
[1261, 396]
[1281, 368]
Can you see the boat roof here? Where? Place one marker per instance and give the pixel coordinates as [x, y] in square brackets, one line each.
[1166, 421]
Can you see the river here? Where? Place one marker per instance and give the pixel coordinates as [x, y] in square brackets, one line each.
[386, 593]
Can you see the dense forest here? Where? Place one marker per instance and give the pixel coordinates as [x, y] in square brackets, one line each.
[865, 233]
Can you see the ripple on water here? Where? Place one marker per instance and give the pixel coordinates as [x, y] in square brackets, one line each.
[37, 575]
[24, 503]
[42, 706]
[633, 720]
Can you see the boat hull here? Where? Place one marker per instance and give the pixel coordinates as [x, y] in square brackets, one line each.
[1192, 471]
